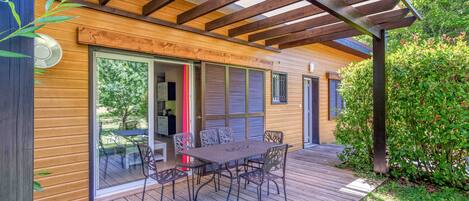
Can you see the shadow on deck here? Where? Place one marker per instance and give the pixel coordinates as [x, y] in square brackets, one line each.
[311, 175]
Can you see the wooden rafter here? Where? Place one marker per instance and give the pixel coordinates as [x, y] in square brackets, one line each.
[389, 16]
[248, 12]
[289, 16]
[348, 33]
[366, 9]
[412, 9]
[103, 2]
[349, 15]
[202, 9]
[154, 5]
[152, 20]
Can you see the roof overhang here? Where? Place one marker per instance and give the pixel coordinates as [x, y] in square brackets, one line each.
[280, 24]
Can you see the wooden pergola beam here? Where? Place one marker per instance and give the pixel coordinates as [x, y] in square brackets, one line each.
[152, 20]
[103, 2]
[248, 12]
[390, 16]
[366, 9]
[346, 34]
[414, 11]
[202, 9]
[289, 16]
[349, 15]
[154, 5]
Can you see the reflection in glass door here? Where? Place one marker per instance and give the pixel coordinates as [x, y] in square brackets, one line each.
[123, 117]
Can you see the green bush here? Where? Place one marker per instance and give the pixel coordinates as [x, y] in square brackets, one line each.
[427, 112]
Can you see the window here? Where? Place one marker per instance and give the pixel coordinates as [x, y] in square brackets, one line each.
[336, 103]
[279, 88]
[234, 97]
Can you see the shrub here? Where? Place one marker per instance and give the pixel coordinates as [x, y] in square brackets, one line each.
[427, 112]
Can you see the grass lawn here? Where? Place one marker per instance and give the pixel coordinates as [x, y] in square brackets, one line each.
[393, 191]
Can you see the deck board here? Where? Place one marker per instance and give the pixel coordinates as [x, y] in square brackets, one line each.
[311, 175]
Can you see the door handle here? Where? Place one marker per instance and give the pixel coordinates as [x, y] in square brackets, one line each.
[199, 117]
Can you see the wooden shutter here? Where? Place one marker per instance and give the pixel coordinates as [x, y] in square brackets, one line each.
[256, 91]
[214, 89]
[237, 91]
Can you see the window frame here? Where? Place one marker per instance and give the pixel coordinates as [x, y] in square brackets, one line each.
[333, 77]
[273, 102]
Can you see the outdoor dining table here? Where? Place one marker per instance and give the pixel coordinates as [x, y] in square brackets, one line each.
[225, 153]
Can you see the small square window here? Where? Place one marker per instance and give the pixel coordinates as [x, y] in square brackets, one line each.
[279, 88]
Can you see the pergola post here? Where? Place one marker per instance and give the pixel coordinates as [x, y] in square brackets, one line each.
[379, 104]
[16, 109]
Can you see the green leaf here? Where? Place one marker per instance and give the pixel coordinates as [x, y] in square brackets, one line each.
[31, 29]
[49, 4]
[15, 14]
[70, 5]
[5, 53]
[54, 19]
[28, 35]
[42, 172]
[37, 187]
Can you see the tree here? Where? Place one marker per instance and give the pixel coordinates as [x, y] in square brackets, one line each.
[440, 18]
[122, 87]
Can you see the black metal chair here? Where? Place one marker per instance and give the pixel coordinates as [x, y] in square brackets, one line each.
[269, 136]
[209, 137]
[183, 142]
[102, 149]
[274, 160]
[162, 177]
[225, 135]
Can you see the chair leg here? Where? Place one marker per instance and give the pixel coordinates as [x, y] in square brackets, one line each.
[174, 194]
[285, 189]
[144, 188]
[188, 186]
[162, 189]
[193, 188]
[268, 187]
[105, 167]
[239, 186]
[215, 184]
[276, 185]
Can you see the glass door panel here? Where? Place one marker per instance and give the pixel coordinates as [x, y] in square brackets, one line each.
[123, 117]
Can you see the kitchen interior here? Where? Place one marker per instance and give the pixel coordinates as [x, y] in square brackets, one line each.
[169, 81]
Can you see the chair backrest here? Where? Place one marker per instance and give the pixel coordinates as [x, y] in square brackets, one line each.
[273, 136]
[209, 137]
[275, 158]
[147, 157]
[225, 135]
[182, 142]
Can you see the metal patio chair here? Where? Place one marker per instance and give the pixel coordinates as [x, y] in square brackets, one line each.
[225, 135]
[269, 136]
[162, 177]
[209, 137]
[183, 142]
[275, 160]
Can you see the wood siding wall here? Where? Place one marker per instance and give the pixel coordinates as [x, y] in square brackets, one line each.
[61, 98]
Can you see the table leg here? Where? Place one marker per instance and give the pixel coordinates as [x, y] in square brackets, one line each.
[204, 184]
[231, 180]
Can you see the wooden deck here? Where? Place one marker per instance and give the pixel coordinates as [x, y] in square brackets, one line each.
[311, 175]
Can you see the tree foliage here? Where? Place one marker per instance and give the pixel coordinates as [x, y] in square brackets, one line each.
[427, 112]
[440, 18]
[122, 87]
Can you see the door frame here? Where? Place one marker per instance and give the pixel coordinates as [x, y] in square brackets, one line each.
[133, 56]
[315, 95]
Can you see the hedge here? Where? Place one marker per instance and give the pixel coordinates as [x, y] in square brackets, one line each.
[427, 113]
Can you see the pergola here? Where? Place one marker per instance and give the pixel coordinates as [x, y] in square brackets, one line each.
[323, 22]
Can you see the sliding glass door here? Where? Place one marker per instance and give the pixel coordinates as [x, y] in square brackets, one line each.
[233, 97]
[123, 117]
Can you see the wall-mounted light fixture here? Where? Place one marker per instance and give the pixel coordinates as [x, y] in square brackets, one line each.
[312, 67]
